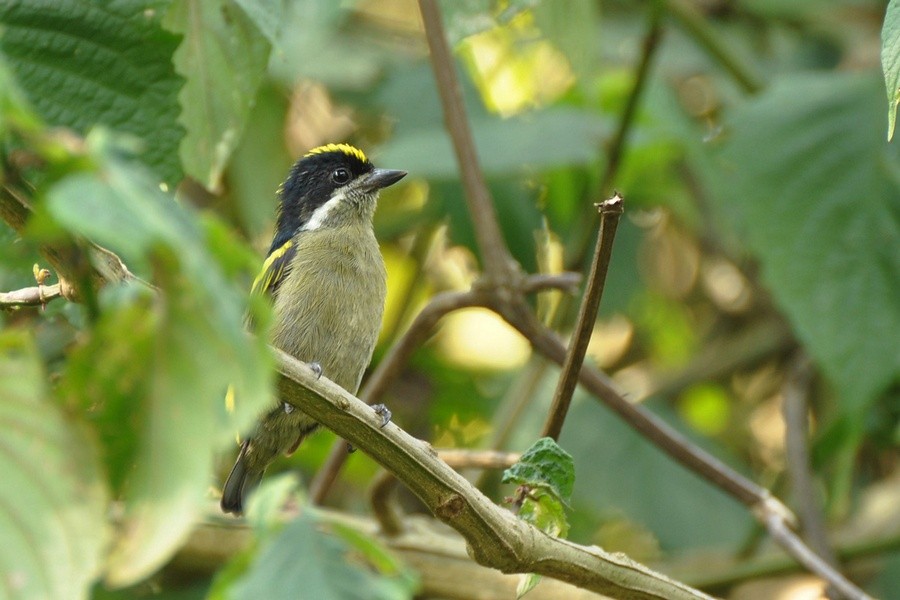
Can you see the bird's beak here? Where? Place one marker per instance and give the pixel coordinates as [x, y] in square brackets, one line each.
[381, 178]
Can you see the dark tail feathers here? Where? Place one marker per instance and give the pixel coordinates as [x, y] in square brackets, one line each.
[240, 483]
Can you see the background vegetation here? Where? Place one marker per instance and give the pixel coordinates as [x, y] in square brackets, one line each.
[752, 301]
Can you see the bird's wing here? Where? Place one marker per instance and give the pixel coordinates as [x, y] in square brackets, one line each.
[274, 269]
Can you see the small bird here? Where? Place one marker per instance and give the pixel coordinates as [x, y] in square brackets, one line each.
[327, 280]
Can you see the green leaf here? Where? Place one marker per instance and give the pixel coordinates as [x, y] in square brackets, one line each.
[223, 57]
[86, 63]
[527, 582]
[546, 512]
[302, 557]
[810, 182]
[191, 347]
[53, 498]
[890, 61]
[267, 15]
[544, 465]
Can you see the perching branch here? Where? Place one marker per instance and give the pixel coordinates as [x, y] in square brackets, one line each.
[496, 537]
[610, 211]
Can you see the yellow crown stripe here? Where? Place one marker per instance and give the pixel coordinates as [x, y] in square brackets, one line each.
[345, 148]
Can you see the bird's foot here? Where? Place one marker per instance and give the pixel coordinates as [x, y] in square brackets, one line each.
[316, 368]
[384, 412]
[350, 448]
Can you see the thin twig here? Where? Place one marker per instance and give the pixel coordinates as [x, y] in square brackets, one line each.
[610, 211]
[31, 296]
[463, 458]
[794, 546]
[770, 511]
[384, 506]
[700, 29]
[615, 149]
[498, 264]
[642, 420]
[795, 410]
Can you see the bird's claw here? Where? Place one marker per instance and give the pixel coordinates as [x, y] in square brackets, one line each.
[350, 448]
[316, 368]
[384, 411]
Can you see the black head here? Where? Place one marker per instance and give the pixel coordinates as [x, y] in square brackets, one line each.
[321, 174]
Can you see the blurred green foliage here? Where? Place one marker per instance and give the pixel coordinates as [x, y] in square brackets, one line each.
[745, 207]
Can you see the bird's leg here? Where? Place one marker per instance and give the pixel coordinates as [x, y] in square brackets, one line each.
[316, 368]
[384, 412]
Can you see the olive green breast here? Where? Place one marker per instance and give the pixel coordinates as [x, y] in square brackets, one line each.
[329, 307]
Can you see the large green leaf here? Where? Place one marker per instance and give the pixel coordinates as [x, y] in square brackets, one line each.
[809, 180]
[88, 63]
[189, 342]
[223, 57]
[53, 498]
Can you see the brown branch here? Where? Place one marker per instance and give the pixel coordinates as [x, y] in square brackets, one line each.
[617, 144]
[770, 511]
[794, 546]
[795, 410]
[31, 296]
[498, 263]
[496, 537]
[610, 211]
[698, 27]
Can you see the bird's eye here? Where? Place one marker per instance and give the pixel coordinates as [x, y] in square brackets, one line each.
[340, 176]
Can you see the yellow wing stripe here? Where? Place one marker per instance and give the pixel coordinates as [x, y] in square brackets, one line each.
[270, 271]
[345, 148]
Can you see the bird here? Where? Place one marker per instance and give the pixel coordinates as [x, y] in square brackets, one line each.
[326, 278]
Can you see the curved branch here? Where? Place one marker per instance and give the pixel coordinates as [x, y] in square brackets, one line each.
[496, 537]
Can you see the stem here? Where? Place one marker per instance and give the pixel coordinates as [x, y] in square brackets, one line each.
[795, 409]
[698, 27]
[610, 211]
[497, 261]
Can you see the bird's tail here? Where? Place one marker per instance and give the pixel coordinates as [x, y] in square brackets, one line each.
[241, 481]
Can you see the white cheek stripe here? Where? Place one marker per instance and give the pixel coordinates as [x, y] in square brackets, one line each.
[320, 214]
